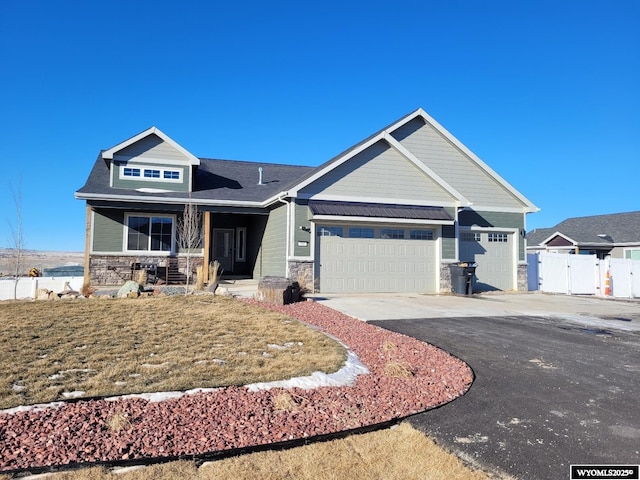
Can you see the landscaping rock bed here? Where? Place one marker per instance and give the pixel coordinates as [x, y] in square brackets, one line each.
[406, 377]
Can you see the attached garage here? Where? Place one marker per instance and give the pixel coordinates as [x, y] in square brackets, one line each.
[494, 252]
[370, 258]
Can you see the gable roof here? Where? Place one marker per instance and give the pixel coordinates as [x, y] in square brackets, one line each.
[385, 134]
[612, 229]
[111, 152]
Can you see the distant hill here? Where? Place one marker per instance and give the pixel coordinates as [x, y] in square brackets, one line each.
[39, 259]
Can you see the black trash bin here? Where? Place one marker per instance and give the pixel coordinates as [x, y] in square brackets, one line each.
[463, 277]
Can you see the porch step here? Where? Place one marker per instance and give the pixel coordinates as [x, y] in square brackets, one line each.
[173, 274]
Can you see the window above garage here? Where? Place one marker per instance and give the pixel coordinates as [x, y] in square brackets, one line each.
[370, 231]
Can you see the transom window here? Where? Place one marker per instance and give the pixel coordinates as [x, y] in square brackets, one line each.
[149, 233]
[396, 233]
[469, 236]
[152, 173]
[360, 232]
[421, 234]
[498, 237]
[329, 231]
[131, 172]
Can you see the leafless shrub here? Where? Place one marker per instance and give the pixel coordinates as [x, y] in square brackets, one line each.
[118, 422]
[87, 289]
[398, 370]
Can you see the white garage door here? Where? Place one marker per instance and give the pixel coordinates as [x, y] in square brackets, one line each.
[374, 259]
[493, 252]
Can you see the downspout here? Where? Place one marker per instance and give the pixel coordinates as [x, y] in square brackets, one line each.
[286, 244]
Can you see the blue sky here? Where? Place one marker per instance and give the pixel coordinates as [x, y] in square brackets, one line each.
[545, 92]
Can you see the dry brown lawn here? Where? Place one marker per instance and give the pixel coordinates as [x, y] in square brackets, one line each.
[51, 351]
[400, 453]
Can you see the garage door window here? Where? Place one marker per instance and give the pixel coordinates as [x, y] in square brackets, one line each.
[359, 232]
[421, 234]
[498, 237]
[330, 231]
[392, 233]
[470, 237]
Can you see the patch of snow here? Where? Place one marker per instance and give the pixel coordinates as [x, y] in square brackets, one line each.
[62, 373]
[33, 408]
[74, 394]
[152, 190]
[346, 376]
[154, 365]
[162, 396]
[18, 388]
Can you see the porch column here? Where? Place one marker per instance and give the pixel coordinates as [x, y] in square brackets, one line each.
[207, 243]
[87, 247]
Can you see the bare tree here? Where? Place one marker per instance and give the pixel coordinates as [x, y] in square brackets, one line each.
[189, 235]
[17, 243]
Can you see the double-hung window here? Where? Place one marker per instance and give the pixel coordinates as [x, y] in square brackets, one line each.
[146, 233]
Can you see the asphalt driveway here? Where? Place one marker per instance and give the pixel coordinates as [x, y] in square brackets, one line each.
[557, 378]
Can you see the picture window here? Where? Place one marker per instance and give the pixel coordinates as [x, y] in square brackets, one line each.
[148, 233]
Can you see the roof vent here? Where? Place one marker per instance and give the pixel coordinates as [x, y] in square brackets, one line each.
[260, 176]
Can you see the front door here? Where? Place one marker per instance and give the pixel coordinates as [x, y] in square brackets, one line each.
[223, 248]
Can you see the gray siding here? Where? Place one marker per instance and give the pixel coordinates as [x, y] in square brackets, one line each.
[152, 147]
[453, 166]
[497, 220]
[382, 173]
[108, 230]
[448, 242]
[271, 257]
[302, 216]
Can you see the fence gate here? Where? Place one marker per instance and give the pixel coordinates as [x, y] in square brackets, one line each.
[568, 274]
[583, 274]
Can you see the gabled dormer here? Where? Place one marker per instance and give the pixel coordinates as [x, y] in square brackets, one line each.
[150, 162]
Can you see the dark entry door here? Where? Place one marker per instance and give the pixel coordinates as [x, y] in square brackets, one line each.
[223, 248]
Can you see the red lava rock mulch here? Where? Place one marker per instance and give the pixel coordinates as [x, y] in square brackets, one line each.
[233, 417]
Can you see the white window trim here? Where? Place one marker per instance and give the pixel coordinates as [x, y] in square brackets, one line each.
[162, 169]
[125, 240]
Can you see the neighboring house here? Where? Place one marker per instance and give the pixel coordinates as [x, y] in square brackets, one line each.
[387, 215]
[616, 235]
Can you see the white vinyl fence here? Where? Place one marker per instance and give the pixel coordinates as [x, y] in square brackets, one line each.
[28, 286]
[583, 275]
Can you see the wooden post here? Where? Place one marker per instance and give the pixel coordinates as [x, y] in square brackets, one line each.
[207, 244]
[87, 247]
